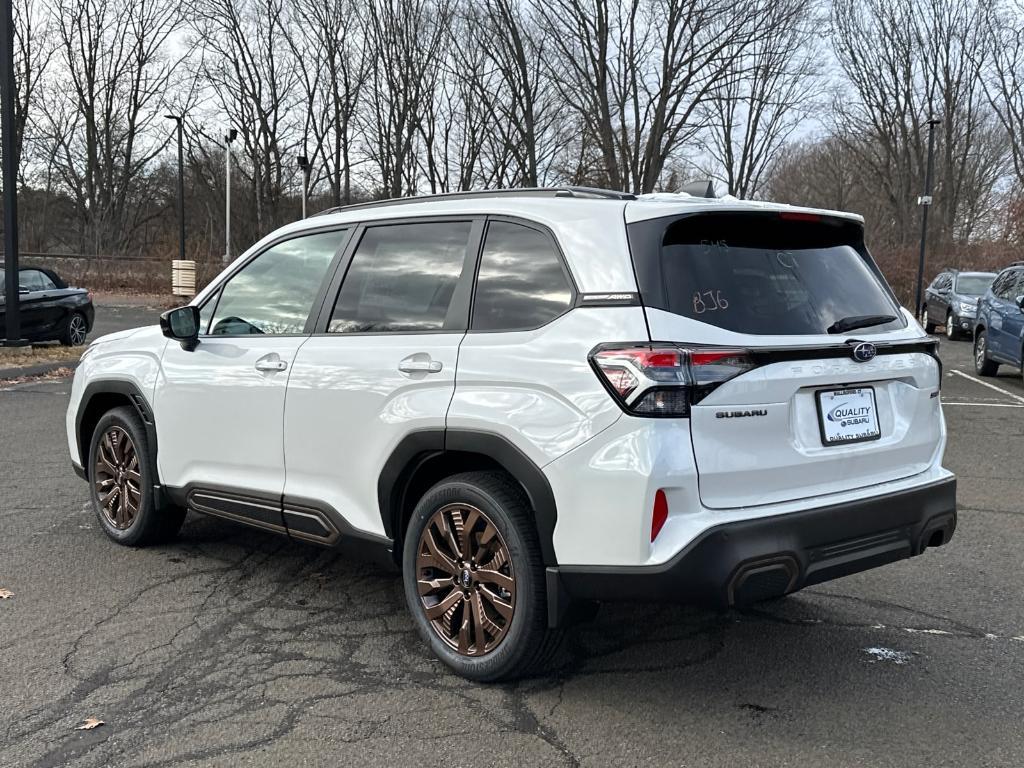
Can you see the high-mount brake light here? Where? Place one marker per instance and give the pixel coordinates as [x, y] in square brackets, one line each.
[666, 380]
[799, 216]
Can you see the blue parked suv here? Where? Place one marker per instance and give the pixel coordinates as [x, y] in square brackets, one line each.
[999, 332]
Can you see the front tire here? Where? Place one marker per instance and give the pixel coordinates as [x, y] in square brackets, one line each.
[929, 326]
[121, 482]
[474, 578]
[75, 330]
[983, 366]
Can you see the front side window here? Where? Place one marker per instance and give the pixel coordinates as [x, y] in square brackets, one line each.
[402, 279]
[521, 283]
[274, 293]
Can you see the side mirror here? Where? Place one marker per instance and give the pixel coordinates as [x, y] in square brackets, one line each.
[1020, 303]
[182, 324]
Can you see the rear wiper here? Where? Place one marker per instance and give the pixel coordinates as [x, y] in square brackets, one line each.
[859, 321]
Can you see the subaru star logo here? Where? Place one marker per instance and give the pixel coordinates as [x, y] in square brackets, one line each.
[864, 352]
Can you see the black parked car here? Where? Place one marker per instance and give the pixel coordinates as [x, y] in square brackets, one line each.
[952, 300]
[50, 309]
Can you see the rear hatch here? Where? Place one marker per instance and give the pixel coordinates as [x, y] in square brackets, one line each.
[817, 405]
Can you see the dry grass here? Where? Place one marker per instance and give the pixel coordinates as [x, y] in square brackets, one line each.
[40, 354]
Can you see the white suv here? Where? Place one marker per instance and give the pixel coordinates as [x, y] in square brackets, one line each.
[526, 398]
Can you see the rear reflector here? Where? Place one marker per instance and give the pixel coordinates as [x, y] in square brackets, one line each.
[660, 514]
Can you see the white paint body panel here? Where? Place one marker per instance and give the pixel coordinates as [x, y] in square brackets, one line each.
[349, 406]
[536, 388]
[131, 356]
[219, 421]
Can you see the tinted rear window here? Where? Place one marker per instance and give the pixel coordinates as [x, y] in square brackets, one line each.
[973, 285]
[760, 273]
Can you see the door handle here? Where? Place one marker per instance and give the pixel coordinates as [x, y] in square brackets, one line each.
[270, 363]
[412, 365]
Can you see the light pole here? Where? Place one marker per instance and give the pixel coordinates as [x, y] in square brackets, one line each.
[181, 188]
[925, 201]
[231, 136]
[304, 165]
[12, 300]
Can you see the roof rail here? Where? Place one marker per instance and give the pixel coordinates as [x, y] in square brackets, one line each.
[568, 191]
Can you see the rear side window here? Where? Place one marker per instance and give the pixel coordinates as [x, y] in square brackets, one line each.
[34, 280]
[402, 278]
[760, 274]
[521, 284]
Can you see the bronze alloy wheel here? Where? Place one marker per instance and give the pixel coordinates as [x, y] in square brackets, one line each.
[117, 482]
[465, 579]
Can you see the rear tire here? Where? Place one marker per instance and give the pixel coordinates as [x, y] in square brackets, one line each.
[121, 480]
[929, 326]
[75, 330]
[495, 626]
[983, 366]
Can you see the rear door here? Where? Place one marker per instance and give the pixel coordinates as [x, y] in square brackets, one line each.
[1012, 332]
[381, 365]
[1003, 331]
[810, 418]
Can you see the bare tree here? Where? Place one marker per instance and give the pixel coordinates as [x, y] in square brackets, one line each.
[329, 51]
[905, 62]
[636, 71]
[1003, 77]
[102, 108]
[769, 91]
[407, 38]
[248, 68]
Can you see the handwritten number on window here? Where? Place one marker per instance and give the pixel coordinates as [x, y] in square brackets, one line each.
[709, 301]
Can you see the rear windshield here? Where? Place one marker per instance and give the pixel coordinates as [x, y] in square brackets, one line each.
[973, 285]
[760, 273]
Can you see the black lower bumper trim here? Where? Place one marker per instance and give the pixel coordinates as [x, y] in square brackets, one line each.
[750, 560]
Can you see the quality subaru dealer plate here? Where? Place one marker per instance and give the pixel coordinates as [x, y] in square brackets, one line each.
[848, 415]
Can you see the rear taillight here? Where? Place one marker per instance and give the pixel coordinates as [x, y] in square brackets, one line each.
[664, 380]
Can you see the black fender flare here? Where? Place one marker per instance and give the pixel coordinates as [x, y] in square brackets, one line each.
[130, 391]
[418, 447]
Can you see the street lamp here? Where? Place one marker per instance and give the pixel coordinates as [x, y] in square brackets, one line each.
[304, 165]
[925, 201]
[232, 134]
[12, 310]
[181, 188]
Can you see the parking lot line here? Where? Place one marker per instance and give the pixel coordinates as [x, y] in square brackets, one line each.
[985, 405]
[1002, 391]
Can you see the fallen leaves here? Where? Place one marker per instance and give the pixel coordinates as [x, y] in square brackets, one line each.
[6, 594]
[89, 723]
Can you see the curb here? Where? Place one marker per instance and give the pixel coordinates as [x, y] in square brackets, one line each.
[35, 370]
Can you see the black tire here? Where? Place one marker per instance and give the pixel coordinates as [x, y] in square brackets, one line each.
[148, 524]
[983, 366]
[527, 644]
[74, 331]
[952, 331]
[929, 326]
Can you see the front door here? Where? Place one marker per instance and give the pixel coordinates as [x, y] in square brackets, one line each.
[219, 408]
[381, 366]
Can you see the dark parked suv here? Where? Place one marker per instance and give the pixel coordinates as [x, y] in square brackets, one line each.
[952, 300]
[999, 333]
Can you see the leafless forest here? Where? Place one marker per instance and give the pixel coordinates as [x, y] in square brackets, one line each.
[814, 102]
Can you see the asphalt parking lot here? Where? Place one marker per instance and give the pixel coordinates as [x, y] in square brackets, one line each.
[233, 647]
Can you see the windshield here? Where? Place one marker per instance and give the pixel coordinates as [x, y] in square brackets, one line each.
[973, 285]
[762, 274]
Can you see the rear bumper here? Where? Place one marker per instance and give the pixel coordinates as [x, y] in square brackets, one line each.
[751, 560]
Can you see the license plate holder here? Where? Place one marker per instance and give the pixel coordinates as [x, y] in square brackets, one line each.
[847, 415]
